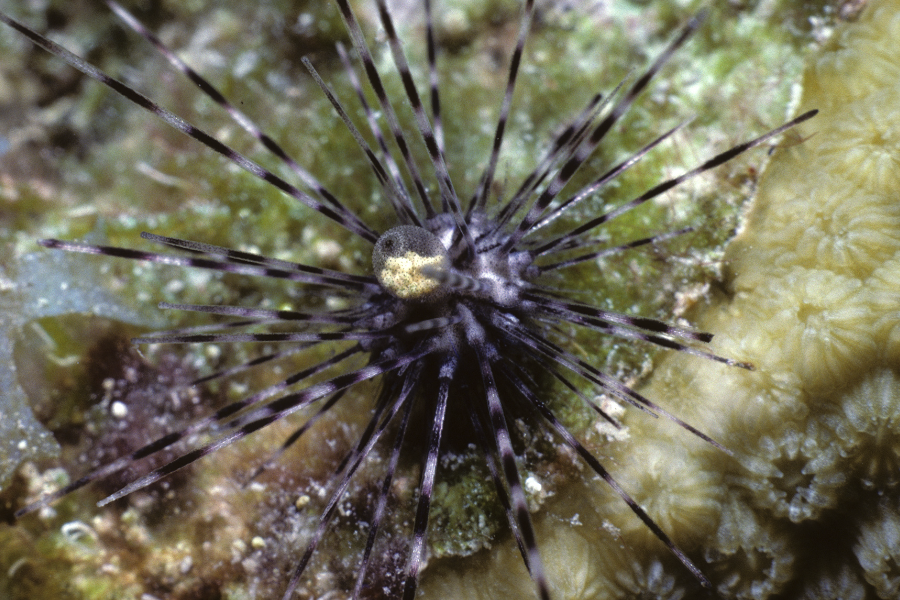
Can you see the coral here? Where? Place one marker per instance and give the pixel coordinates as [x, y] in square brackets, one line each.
[810, 297]
[577, 568]
[683, 495]
[878, 551]
[841, 584]
[794, 473]
[752, 557]
[867, 429]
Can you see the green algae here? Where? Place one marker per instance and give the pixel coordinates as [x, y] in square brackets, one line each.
[135, 174]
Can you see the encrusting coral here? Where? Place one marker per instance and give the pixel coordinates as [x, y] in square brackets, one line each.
[878, 550]
[811, 299]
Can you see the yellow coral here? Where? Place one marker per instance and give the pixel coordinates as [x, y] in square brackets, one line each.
[794, 473]
[878, 551]
[868, 428]
[882, 289]
[577, 567]
[844, 584]
[858, 60]
[750, 557]
[680, 493]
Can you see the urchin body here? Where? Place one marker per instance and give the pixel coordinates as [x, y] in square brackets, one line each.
[457, 306]
[426, 268]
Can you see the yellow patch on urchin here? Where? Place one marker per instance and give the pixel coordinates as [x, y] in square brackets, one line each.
[403, 277]
[400, 258]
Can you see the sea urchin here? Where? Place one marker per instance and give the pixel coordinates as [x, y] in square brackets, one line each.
[461, 320]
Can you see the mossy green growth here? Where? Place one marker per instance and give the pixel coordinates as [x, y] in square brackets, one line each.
[115, 171]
